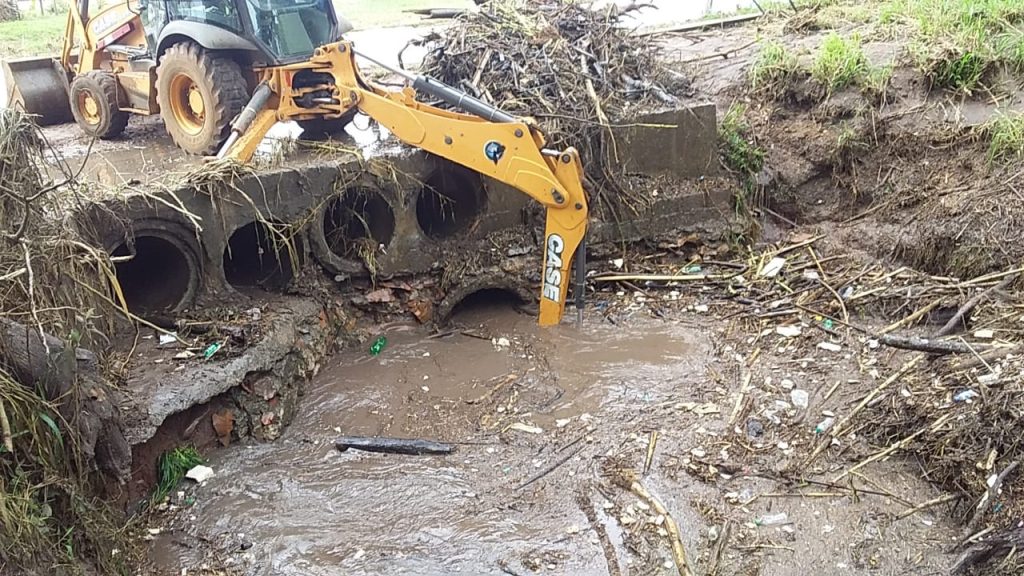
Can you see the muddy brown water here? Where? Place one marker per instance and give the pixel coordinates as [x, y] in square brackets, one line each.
[297, 506]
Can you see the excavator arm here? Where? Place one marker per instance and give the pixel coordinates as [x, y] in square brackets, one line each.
[489, 141]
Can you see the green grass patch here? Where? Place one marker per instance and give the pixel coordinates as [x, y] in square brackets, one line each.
[32, 36]
[741, 155]
[1006, 134]
[958, 41]
[840, 62]
[876, 81]
[774, 68]
[48, 516]
[958, 72]
[42, 35]
[172, 467]
[739, 152]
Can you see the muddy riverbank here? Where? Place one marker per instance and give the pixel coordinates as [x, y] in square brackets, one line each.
[593, 393]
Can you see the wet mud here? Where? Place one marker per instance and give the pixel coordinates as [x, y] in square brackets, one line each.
[518, 400]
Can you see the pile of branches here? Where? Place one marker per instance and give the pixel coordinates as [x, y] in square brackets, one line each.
[56, 410]
[577, 71]
[950, 355]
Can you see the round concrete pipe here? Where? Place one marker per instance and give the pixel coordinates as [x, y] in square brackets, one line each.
[358, 220]
[260, 256]
[450, 202]
[162, 274]
[485, 294]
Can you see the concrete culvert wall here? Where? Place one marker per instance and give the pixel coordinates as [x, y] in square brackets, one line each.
[257, 257]
[357, 218]
[450, 201]
[159, 277]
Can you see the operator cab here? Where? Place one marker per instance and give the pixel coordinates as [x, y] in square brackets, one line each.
[274, 32]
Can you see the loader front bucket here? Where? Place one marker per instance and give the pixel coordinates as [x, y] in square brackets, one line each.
[38, 86]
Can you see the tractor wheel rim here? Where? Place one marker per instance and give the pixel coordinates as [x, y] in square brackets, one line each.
[187, 105]
[89, 108]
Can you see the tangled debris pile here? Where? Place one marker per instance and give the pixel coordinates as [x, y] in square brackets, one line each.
[940, 372]
[59, 419]
[574, 69]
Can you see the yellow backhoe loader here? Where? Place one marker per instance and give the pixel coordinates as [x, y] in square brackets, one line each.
[221, 73]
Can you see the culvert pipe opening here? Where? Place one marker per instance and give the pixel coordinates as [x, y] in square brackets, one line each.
[153, 273]
[486, 301]
[357, 222]
[450, 202]
[261, 256]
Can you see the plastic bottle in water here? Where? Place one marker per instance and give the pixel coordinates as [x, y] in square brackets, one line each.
[378, 345]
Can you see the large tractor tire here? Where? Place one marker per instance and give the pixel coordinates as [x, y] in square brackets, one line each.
[94, 103]
[199, 95]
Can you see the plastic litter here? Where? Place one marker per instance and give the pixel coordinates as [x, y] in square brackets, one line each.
[965, 396]
[211, 350]
[772, 268]
[772, 519]
[789, 331]
[200, 473]
[824, 425]
[378, 345]
[800, 398]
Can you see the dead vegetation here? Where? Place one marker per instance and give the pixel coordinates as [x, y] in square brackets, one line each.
[55, 413]
[576, 70]
[943, 358]
[943, 200]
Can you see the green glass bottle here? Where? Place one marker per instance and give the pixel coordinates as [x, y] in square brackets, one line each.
[378, 345]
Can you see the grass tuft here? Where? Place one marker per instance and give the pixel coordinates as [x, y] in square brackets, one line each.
[839, 63]
[958, 41]
[960, 73]
[774, 68]
[1006, 133]
[739, 152]
[172, 467]
[742, 156]
[876, 81]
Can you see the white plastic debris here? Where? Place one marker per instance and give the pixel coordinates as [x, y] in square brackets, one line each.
[788, 331]
[168, 338]
[200, 473]
[701, 308]
[830, 346]
[521, 427]
[618, 262]
[772, 268]
[773, 519]
[562, 422]
[990, 378]
[811, 275]
[984, 334]
[965, 396]
[500, 343]
[824, 425]
[800, 398]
